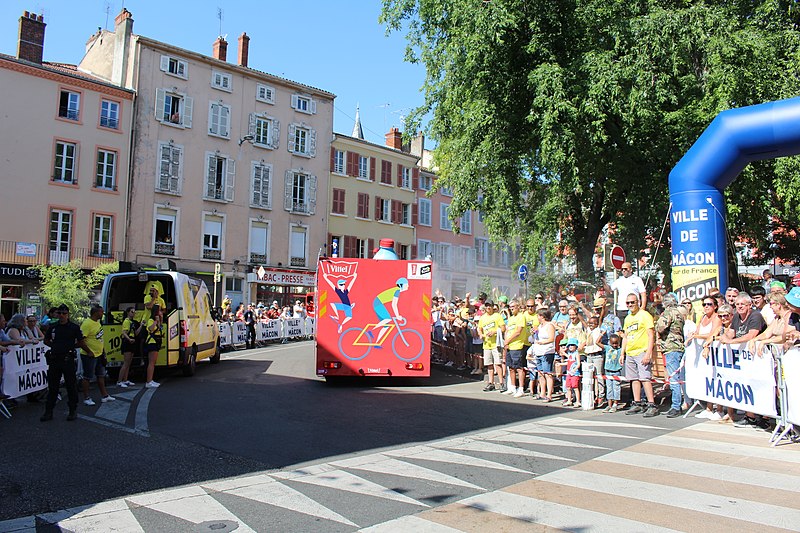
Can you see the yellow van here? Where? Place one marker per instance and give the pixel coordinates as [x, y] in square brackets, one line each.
[191, 333]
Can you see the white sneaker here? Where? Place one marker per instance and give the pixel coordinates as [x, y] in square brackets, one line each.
[519, 394]
[152, 385]
[88, 401]
[511, 390]
[108, 398]
[714, 416]
[130, 383]
[702, 414]
[122, 384]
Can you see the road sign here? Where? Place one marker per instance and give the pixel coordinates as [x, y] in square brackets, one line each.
[217, 273]
[522, 272]
[617, 256]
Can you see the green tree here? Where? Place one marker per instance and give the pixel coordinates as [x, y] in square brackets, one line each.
[68, 284]
[557, 118]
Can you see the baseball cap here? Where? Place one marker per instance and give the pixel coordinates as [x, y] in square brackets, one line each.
[563, 342]
[793, 297]
[503, 299]
[63, 308]
[599, 302]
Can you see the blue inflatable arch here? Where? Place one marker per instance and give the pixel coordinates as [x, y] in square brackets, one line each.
[697, 215]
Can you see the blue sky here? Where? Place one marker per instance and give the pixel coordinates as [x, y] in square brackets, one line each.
[338, 46]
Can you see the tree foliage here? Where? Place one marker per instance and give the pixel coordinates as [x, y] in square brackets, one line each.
[557, 118]
[68, 284]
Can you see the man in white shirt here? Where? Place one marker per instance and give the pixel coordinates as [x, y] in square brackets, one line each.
[629, 283]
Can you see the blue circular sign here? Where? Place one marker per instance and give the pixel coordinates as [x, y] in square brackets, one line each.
[523, 272]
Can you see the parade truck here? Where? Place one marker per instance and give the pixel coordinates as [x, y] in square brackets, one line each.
[373, 317]
[190, 331]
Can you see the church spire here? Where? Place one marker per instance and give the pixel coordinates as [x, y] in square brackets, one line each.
[358, 133]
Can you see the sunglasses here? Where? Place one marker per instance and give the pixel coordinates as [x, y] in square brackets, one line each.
[724, 315]
[708, 304]
[530, 306]
[538, 298]
[630, 303]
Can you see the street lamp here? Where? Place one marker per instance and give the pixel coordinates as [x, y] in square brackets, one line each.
[774, 249]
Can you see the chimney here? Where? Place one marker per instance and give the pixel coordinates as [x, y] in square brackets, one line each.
[30, 45]
[394, 139]
[221, 49]
[123, 30]
[244, 49]
[418, 145]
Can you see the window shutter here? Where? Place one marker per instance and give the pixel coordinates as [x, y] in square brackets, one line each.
[224, 121]
[312, 107]
[164, 174]
[213, 118]
[378, 204]
[395, 214]
[257, 174]
[414, 251]
[294, 101]
[352, 164]
[287, 190]
[415, 178]
[275, 134]
[161, 95]
[291, 130]
[399, 175]
[230, 179]
[251, 125]
[211, 177]
[175, 175]
[188, 104]
[370, 247]
[165, 63]
[312, 142]
[414, 214]
[333, 157]
[372, 169]
[311, 182]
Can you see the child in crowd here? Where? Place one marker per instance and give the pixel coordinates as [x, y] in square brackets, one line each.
[573, 368]
[613, 367]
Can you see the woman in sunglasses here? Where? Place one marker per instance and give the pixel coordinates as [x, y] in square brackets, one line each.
[722, 330]
[706, 328]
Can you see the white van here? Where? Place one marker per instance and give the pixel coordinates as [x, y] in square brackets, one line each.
[191, 333]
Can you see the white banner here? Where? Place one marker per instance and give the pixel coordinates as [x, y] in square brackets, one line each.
[311, 327]
[24, 369]
[293, 327]
[731, 376]
[269, 330]
[239, 332]
[791, 376]
[224, 334]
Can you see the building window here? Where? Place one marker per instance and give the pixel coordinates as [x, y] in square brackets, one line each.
[465, 225]
[302, 140]
[362, 249]
[300, 193]
[446, 191]
[445, 255]
[109, 114]
[221, 81]
[102, 230]
[386, 172]
[60, 236]
[165, 232]
[170, 168]
[338, 202]
[261, 185]
[220, 174]
[338, 161]
[297, 247]
[406, 180]
[424, 249]
[174, 108]
[385, 210]
[304, 104]
[258, 242]
[69, 105]
[363, 167]
[265, 93]
[233, 284]
[65, 163]
[106, 177]
[482, 251]
[424, 217]
[405, 214]
[425, 182]
[444, 217]
[219, 119]
[212, 237]
[363, 205]
[405, 252]
[174, 66]
[265, 130]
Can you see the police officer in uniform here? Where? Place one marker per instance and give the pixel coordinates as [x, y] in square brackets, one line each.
[63, 337]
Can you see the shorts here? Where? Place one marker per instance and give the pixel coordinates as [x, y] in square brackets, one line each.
[492, 357]
[635, 369]
[151, 347]
[573, 382]
[92, 368]
[515, 359]
[348, 309]
[128, 347]
[544, 363]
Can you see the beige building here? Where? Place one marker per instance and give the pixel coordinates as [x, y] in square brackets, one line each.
[230, 163]
[64, 145]
[372, 195]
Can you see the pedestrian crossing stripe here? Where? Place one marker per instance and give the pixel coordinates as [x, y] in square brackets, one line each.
[523, 438]
[382, 464]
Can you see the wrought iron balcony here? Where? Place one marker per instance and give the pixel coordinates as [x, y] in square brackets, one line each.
[210, 253]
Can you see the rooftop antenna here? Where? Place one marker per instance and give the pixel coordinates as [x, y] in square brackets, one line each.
[384, 106]
[219, 16]
[108, 12]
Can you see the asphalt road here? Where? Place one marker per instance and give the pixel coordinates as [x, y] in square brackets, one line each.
[258, 410]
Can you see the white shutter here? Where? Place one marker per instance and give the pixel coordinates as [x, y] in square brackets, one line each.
[256, 183]
[165, 63]
[312, 142]
[161, 95]
[294, 101]
[164, 168]
[188, 104]
[287, 190]
[251, 125]
[213, 118]
[211, 175]
[276, 134]
[291, 130]
[312, 106]
[175, 175]
[230, 179]
[224, 120]
[266, 186]
[311, 182]
[181, 69]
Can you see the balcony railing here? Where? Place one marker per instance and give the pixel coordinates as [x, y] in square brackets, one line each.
[163, 248]
[297, 261]
[109, 122]
[210, 253]
[23, 253]
[258, 259]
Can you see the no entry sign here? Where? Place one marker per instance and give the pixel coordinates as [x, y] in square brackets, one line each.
[617, 256]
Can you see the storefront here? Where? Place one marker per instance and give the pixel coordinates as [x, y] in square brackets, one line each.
[286, 286]
[19, 290]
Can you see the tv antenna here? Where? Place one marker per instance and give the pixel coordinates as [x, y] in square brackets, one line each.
[220, 17]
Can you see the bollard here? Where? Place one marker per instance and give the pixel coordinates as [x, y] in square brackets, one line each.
[587, 386]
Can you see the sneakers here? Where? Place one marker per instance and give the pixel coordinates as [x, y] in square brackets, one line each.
[519, 394]
[567, 403]
[122, 384]
[72, 416]
[613, 409]
[705, 413]
[89, 402]
[674, 413]
[607, 409]
[714, 416]
[745, 422]
[634, 409]
[508, 391]
[489, 387]
[152, 385]
[651, 411]
[503, 389]
[48, 415]
[107, 399]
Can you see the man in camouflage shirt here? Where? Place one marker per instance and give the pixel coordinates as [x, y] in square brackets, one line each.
[669, 328]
